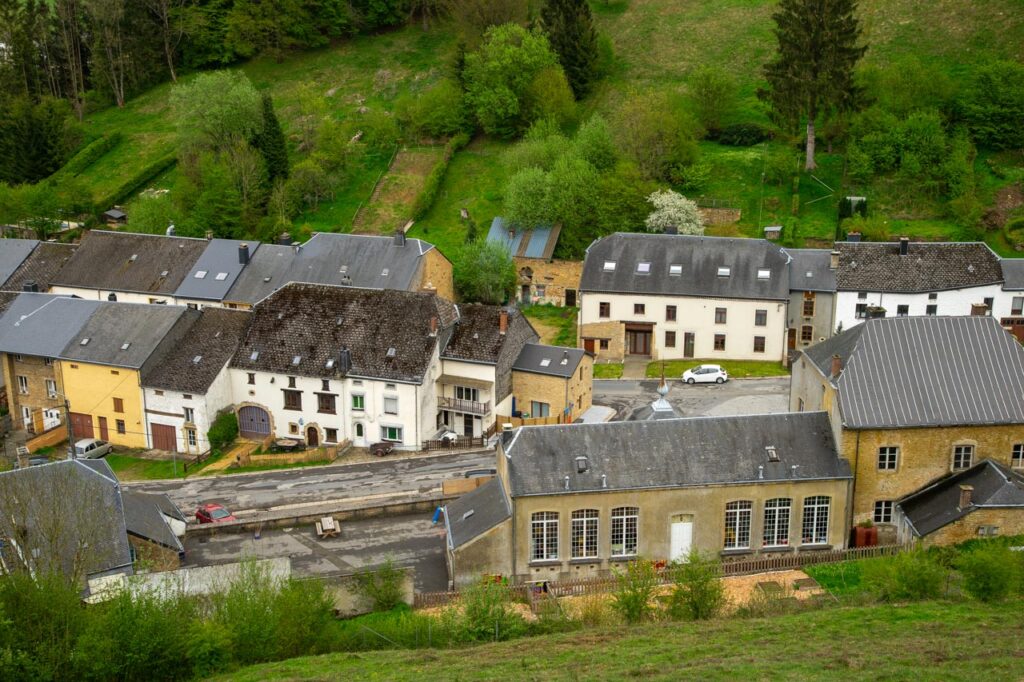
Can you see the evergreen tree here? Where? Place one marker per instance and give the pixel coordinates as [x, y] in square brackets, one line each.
[271, 143]
[570, 29]
[812, 72]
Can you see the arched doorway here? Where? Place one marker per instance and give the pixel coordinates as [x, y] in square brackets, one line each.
[253, 422]
[312, 437]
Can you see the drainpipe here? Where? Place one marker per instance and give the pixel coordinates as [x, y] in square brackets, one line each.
[852, 486]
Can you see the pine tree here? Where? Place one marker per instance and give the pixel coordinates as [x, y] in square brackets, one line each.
[812, 72]
[271, 143]
[569, 26]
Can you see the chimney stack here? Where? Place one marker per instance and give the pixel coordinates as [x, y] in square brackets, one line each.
[904, 245]
[399, 238]
[243, 254]
[296, 247]
[30, 285]
[671, 229]
[853, 237]
[833, 262]
[344, 360]
[965, 496]
[503, 322]
[433, 326]
[209, 235]
[837, 365]
[285, 239]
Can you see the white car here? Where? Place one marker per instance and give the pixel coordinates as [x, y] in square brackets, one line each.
[91, 448]
[706, 374]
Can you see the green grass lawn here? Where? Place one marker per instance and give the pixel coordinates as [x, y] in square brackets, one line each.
[267, 467]
[841, 579]
[936, 640]
[555, 324]
[336, 214]
[737, 369]
[130, 468]
[608, 370]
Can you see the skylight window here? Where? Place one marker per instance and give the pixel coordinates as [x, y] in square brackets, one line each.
[724, 271]
[343, 269]
[545, 362]
[643, 268]
[255, 356]
[164, 273]
[330, 363]
[675, 270]
[609, 266]
[201, 274]
[810, 274]
[764, 274]
[197, 359]
[84, 342]
[134, 257]
[384, 272]
[297, 359]
[392, 352]
[221, 276]
[124, 346]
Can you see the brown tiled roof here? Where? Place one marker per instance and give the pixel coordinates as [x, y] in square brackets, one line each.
[42, 265]
[194, 362]
[477, 336]
[300, 327]
[127, 261]
[878, 266]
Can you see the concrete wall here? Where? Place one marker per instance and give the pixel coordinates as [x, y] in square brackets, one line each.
[952, 302]
[568, 397]
[822, 322]
[489, 552]
[92, 389]
[44, 412]
[547, 281]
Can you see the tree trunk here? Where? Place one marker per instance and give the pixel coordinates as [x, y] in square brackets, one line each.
[810, 164]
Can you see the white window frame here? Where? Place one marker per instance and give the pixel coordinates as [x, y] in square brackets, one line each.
[891, 456]
[190, 414]
[959, 453]
[51, 388]
[467, 393]
[814, 529]
[625, 531]
[544, 536]
[1017, 456]
[22, 385]
[391, 404]
[385, 430]
[191, 438]
[738, 514]
[777, 514]
[584, 533]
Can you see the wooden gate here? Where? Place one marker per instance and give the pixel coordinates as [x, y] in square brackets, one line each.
[81, 425]
[253, 422]
[165, 438]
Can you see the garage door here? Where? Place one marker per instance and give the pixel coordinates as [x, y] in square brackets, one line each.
[81, 425]
[253, 422]
[165, 438]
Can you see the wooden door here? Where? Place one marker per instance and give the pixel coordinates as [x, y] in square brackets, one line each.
[104, 433]
[639, 343]
[312, 437]
[81, 425]
[588, 345]
[791, 341]
[682, 536]
[688, 341]
[253, 422]
[165, 438]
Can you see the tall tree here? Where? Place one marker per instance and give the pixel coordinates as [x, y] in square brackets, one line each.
[569, 26]
[107, 23]
[271, 143]
[812, 72]
[170, 15]
[69, 24]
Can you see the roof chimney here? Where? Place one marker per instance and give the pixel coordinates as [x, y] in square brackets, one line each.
[433, 325]
[503, 321]
[833, 262]
[966, 491]
[904, 245]
[671, 229]
[296, 247]
[344, 360]
[209, 235]
[243, 254]
[979, 309]
[30, 285]
[853, 237]
[837, 366]
[171, 230]
[285, 239]
[399, 238]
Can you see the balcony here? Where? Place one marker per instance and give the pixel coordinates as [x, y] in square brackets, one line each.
[467, 406]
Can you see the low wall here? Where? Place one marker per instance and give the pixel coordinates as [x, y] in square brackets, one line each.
[50, 438]
[461, 486]
[348, 602]
[328, 454]
[719, 216]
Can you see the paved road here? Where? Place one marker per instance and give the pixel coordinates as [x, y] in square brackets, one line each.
[374, 482]
[737, 396]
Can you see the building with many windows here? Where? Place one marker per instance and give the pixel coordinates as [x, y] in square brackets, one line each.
[573, 501]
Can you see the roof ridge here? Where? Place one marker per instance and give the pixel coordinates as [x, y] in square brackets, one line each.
[149, 234]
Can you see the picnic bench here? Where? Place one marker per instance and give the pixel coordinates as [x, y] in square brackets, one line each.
[327, 527]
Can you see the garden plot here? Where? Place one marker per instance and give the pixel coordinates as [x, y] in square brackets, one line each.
[390, 206]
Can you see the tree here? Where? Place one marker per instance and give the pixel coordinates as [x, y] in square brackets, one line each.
[526, 198]
[107, 20]
[698, 593]
[35, 138]
[474, 17]
[569, 26]
[654, 133]
[69, 22]
[673, 210]
[713, 91]
[993, 105]
[153, 214]
[593, 143]
[484, 272]
[271, 143]
[812, 72]
[216, 109]
[427, 9]
[169, 14]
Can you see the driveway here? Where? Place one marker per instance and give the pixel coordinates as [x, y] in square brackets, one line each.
[737, 396]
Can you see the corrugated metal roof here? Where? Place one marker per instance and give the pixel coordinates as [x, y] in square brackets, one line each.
[43, 324]
[12, 253]
[216, 271]
[538, 241]
[553, 360]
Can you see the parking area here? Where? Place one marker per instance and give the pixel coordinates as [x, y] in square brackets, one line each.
[411, 540]
[737, 396]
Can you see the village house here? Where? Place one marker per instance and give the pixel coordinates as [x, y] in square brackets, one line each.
[904, 278]
[36, 272]
[13, 253]
[575, 501]
[542, 278]
[190, 385]
[1009, 306]
[812, 296]
[664, 296]
[476, 382]
[214, 273]
[913, 399]
[551, 381]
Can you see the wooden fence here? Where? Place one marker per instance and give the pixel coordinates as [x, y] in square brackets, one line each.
[455, 443]
[195, 461]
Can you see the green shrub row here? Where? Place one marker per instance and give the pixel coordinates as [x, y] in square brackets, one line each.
[135, 183]
[427, 195]
[91, 153]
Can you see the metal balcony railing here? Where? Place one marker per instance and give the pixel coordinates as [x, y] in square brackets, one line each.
[468, 406]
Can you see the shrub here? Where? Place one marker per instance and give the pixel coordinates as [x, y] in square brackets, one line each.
[425, 199]
[741, 135]
[713, 91]
[91, 153]
[990, 573]
[634, 591]
[993, 105]
[208, 647]
[911, 576]
[594, 610]
[135, 183]
[304, 613]
[383, 587]
[698, 593]
[246, 611]
[873, 228]
[45, 618]
[435, 112]
[487, 613]
[380, 131]
[223, 431]
[655, 133]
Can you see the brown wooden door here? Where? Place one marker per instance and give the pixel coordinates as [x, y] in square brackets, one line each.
[639, 343]
[253, 422]
[312, 437]
[688, 341]
[588, 345]
[791, 342]
[165, 438]
[81, 425]
[104, 433]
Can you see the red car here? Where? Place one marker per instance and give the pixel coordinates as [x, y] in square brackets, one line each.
[213, 513]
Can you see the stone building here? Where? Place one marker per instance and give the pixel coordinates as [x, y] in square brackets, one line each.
[550, 381]
[542, 278]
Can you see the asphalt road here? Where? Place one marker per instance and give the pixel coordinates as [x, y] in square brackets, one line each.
[293, 488]
[737, 396]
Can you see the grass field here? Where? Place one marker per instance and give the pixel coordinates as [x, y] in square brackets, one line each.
[556, 325]
[737, 369]
[390, 207]
[608, 370]
[130, 468]
[936, 640]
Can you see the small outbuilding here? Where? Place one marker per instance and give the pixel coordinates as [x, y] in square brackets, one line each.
[115, 217]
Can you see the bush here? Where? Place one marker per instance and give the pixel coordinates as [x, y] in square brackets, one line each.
[698, 593]
[304, 613]
[655, 133]
[991, 573]
[713, 91]
[91, 153]
[246, 611]
[383, 587]
[223, 431]
[435, 112]
[133, 184]
[741, 135]
[873, 228]
[694, 177]
[380, 131]
[425, 199]
[911, 576]
[487, 614]
[993, 105]
[635, 589]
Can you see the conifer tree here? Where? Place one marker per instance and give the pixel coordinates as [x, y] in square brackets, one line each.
[812, 72]
[271, 143]
[569, 26]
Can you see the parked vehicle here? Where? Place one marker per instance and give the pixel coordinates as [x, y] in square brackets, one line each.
[212, 512]
[706, 374]
[91, 448]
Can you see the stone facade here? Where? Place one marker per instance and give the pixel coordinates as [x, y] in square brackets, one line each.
[548, 281]
[574, 394]
[33, 410]
[606, 340]
[1005, 522]
[488, 553]
[436, 275]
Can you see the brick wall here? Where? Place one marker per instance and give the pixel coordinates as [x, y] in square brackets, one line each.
[556, 391]
[553, 276]
[36, 371]
[614, 332]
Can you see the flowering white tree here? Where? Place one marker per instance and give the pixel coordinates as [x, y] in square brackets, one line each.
[672, 209]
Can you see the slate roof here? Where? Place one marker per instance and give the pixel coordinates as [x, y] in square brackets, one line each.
[13, 253]
[700, 258]
[673, 453]
[903, 372]
[561, 362]
[938, 504]
[216, 270]
[477, 336]
[535, 242]
[141, 326]
[328, 258]
[475, 513]
[313, 322]
[810, 270]
[143, 517]
[43, 324]
[198, 358]
[42, 265]
[1013, 274]
[104, 261]
[928, 266]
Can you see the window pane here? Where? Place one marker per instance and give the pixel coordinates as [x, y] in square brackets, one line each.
[624, 531]
[815, 523]
[544, 536]
[737, 524]
[776, 522]
[583, 534]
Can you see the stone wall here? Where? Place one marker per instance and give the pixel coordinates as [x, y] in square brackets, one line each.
[613, 332]
[720, 216]
[574, 393]
[37, 400]
[437, 273]
[547, 280]
[1006, 521]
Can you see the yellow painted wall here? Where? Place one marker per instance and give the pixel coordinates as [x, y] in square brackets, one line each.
[92, 389]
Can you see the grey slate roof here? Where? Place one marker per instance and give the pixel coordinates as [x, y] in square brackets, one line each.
[1013, 274]
[928, 266]
[328, 258]
[673, 453]
[216, 271]
[42, 265]
[198, 358]
[313, 322]
[43, 324]
[700, 258]
[104, 260]
[809, 270]
[477, 335]
[13, 253]
[561, 362]
[475, 513]
[535, 242]
[938, 504]
[926, 371]
[143, 517]
[141, 326]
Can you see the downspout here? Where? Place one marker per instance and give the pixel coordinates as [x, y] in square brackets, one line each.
[853, 486]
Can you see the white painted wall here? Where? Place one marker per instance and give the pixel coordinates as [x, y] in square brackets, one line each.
[697, 315]
[122, 296]
[951, 302]
[476, 372]
[205, 408]
[1004, 303]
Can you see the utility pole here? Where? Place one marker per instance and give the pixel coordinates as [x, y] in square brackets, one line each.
[71, 435]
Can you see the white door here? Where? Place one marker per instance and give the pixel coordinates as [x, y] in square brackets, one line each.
[682, 536]
[26, 416]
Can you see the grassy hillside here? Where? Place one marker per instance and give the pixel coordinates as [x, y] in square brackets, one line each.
[943, 641]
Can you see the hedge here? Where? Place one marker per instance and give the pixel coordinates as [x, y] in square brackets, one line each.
[91, 153]
[130, 186]
[425, 199]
